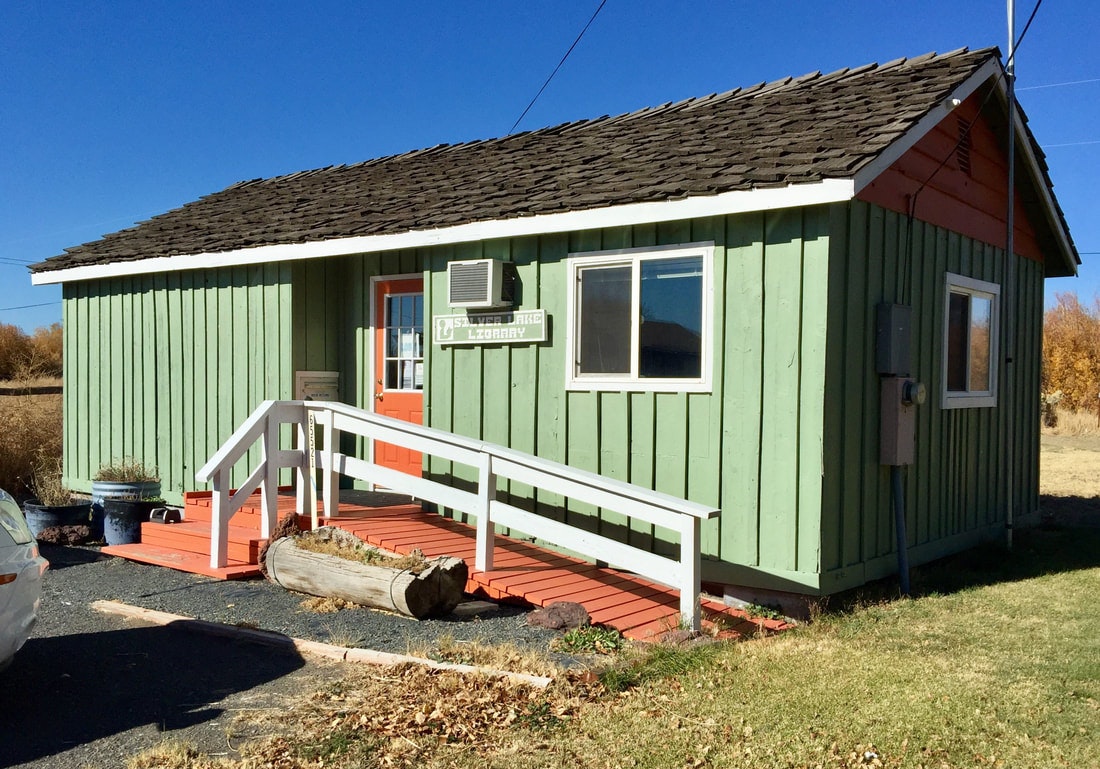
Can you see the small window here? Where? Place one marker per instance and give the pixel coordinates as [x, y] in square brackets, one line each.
[971, 326]
[640, 320]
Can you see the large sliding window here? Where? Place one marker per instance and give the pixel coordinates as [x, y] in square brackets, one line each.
[640, 319]
[971, 328]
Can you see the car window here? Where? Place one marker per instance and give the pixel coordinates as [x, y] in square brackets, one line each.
[12, 521]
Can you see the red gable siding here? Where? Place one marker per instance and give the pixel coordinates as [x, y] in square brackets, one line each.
[972, 204]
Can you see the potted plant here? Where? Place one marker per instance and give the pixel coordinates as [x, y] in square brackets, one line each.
[123, 516]
[124, 492]
[53, 504]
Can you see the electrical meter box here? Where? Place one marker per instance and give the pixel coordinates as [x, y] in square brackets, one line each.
[317, 385]
[900, 397]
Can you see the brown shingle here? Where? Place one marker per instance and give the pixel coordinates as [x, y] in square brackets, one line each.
[793, 130]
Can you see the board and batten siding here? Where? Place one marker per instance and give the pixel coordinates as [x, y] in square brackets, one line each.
[956, 492]
[162, 368]
[752, 446]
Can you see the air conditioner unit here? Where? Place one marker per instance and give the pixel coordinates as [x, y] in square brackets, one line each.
[479, 284]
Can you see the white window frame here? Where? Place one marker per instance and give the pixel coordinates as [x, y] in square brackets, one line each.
[981, 289]
[631, 382]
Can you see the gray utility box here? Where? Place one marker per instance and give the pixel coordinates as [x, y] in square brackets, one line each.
[892, 339]
[897, 436]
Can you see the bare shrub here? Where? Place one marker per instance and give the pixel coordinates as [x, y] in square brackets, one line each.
[31, 430]
[45, 355]
[46, 482]
[15, 350]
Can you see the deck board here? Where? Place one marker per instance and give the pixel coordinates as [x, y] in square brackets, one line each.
[638, 608]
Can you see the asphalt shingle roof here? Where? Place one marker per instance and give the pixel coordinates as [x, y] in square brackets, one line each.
[791, 131]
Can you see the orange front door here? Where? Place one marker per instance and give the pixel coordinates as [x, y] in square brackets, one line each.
[399, 363]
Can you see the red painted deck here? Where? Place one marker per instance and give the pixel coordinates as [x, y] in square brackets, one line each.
[638, 608]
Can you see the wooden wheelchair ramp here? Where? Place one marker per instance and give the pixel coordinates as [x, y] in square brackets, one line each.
[638, 608]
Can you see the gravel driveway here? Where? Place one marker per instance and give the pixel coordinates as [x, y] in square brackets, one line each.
[90, 689]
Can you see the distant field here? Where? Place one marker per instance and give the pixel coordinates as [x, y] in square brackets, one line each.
[30, 426]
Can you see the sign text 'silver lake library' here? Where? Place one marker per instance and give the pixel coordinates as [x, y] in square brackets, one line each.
[518, 327]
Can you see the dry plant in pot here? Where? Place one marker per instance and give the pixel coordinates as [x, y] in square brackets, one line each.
[53, 503]
[125, 491]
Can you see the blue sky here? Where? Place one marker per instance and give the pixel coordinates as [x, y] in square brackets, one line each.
[113, 112]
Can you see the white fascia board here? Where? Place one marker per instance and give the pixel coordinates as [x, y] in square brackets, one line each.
[1023, 143]
[893, 153]
[738, 201]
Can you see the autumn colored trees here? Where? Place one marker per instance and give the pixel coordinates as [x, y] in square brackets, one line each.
[1071, 352]
[30, 356]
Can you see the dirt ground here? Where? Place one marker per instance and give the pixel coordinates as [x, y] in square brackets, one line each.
[1069, 479]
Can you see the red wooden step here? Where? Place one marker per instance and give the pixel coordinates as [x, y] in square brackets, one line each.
[243, 544]
[156, 555]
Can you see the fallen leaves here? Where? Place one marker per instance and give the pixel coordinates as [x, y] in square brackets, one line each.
[407, 714]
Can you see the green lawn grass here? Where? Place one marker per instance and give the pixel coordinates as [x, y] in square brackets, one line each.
[994, 663]
[997, 663]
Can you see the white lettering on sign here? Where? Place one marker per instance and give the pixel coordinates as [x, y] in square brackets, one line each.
[500, 327]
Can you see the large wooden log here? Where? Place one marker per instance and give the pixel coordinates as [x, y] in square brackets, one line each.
[434, 591]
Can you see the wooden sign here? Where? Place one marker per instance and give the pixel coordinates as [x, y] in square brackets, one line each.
[516, 327]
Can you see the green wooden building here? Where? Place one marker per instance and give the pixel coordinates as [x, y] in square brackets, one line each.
[685, 297]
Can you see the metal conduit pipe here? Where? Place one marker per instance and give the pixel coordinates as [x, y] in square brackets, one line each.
[899, 525]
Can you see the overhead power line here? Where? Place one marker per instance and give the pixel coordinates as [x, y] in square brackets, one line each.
[1071, 144]
[1059, 85]
[28, 306]
[563, 58]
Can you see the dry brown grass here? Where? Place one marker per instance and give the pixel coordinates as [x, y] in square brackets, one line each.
[30, 426]
[1074, 423]
[414, 562]
[326, 605]
[501, 656]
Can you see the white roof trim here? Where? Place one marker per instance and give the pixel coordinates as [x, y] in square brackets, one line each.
[739, 201]
[899, 147]
[1023, 145]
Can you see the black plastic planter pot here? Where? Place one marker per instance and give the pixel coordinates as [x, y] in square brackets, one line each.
[122, 519]
[41, 517]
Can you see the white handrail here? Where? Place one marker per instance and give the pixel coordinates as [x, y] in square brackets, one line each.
[491, 461]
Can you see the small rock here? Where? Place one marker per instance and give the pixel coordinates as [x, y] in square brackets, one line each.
[676, 637]
[560, 615]
[474, 608]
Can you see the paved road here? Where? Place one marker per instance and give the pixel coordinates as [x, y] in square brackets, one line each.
[89, 690]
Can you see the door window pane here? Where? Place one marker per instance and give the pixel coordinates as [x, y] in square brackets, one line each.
[404, 335]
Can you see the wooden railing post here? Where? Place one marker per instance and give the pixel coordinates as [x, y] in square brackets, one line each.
[486, 492]
[301, 475]
[691, 567]
[219, 506]
[269, 489]
[330, 487]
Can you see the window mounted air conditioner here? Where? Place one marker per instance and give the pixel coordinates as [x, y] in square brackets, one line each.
[479, 284]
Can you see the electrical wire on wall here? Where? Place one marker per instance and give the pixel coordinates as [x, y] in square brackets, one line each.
[964, 138]
[1007, 76]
